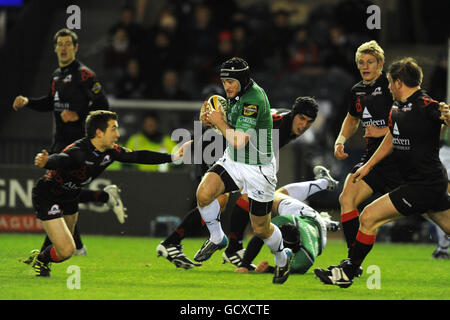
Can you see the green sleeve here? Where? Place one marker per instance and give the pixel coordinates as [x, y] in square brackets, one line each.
[301, 262]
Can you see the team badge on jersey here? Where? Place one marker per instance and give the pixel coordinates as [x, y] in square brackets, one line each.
[250, 110]
[96, 88]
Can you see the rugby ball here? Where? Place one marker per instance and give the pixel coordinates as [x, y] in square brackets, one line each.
[218, 103]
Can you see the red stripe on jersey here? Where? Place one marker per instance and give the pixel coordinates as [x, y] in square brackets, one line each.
[86, 74]
[277, 117]
[427, 101]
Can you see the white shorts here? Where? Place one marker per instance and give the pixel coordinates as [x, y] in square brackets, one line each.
[444, 155]
[298, 208]
[258, 182]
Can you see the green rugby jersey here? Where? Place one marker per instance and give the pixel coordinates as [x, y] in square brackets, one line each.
[310, 234]
[250, 113]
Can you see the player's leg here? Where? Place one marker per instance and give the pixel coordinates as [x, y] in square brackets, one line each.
[304, 189]
[352, 195]
[215, 182]
[271, 235]
[61, 249]
[373, 216]
[171, 247]
[239, 220]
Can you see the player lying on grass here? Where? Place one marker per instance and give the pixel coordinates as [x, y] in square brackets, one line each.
[303, 229]
[296, 192]
[55, 195]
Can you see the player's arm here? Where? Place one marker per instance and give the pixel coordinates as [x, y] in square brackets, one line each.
[42, 104]
[348, 129]
[61, 160]
[375, 132]
[237, 138]
[149, 157]
[384, 149]
[94, 90]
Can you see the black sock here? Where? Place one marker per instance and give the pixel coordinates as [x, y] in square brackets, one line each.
[192, 223]
[93, 196]
[47, 242]
[361, 248]
[77, 238]
[238, 223]
[350, 226]
[254, 246]
[49, 255]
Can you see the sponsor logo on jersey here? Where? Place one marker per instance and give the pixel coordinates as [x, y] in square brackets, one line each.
[379, 123]
[407, 108]
[68, 78]
[106, 160]
[400, 143]
[366, 113]
[395, 130]
[250, 110]
[377, 91]
[96, 88]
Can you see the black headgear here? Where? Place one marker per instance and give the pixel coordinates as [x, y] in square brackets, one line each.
[236, 69]
[291, 236]
[305, 105]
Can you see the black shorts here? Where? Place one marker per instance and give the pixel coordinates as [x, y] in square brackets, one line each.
[381, 179]
[411, 199]
[47, 209]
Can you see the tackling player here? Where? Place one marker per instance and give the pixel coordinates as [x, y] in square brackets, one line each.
[55, 195]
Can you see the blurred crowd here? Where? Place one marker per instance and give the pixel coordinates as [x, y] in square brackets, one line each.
[180, 54]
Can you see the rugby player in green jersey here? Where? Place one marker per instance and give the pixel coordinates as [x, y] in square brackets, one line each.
[248, 165]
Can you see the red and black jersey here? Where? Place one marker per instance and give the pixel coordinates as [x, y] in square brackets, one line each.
[81, 162]
[415, 128]
[76, 88]
[282, 120]
[371, 103]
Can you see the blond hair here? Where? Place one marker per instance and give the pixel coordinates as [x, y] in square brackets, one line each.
[371, 47]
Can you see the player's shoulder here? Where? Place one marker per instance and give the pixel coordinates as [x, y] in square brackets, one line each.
[422, 99]
[358, 87]
[255, 94]
[85, 71]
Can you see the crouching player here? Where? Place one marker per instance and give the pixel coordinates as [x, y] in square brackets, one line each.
[56, 194]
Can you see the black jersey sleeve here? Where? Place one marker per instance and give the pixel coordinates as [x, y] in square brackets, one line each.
[141, 156]
[42, 104]
[68, 159]
[94, 90]
[431, 109]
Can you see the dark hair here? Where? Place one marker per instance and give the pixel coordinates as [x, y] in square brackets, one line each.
[291, 236]
[305, 105]
[407, 71]
[98, 119]
[64, 33]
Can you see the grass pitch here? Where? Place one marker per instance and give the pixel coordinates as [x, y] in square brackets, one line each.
[125, 268]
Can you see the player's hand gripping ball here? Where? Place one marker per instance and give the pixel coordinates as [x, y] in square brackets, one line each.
[217, 103]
